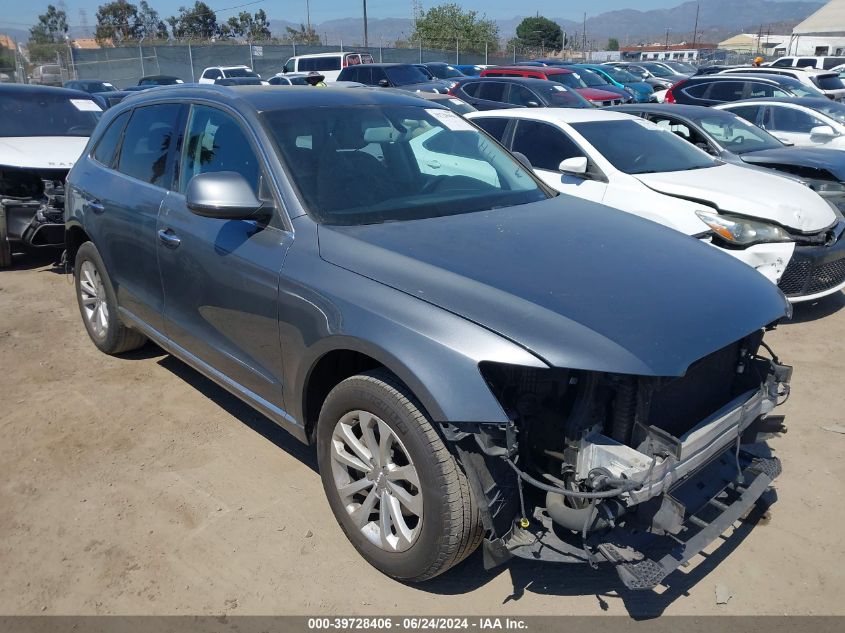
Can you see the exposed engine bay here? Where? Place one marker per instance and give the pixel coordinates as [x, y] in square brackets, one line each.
[33, 201]
[595, 467]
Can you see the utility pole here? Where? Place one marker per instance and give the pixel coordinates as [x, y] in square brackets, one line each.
[667, 39]
[584, 40]
[366, 38]
[308, 15]
[695, 30]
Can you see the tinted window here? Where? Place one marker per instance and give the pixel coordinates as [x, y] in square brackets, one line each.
[791, 120]
[725, 91]
[833, 109]
[471, 89]
[240, 72]
[806, 62]
[522, 96]
[215, 142]
[39, 114]
[570, 80]
[469, 172]
[320, 63]
[830, 82]
[404, 75]
[544, 145]
[494, 127]
[106, 148]
[749, 113]
[492, 91]
[147, 141]
[289, 65]
[784, 62]
[832, 62]
[757, 90]
[637, 147]
[697, 91]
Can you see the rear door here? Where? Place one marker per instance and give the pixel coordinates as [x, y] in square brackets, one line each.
[546, 146]
[221, 277]
[792, 125]
[127, 200]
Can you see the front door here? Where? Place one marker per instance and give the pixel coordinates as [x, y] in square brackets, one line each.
[546, 146]
[221, 277]
[793, 126]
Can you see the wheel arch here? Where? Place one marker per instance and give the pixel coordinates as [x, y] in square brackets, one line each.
[75, 236]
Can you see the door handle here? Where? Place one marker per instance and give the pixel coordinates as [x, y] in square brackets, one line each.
[169, 238]
[95, 207]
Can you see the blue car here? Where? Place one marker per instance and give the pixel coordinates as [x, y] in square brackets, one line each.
[470, 70]
[641, 91]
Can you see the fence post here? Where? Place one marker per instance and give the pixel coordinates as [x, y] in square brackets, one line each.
[294, 47]
[514, 53]
[380, 54]
[158, 66]
[457, 51]
[191, 62]
[141, 55]
[251, 61]
[486, 44]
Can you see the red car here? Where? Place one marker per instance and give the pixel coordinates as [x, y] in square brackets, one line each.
[565, 76]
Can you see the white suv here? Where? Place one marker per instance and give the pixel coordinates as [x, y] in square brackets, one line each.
[327, 64]
[210, 75]
[824, 62]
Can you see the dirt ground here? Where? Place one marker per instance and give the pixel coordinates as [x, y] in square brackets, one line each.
[134, 485]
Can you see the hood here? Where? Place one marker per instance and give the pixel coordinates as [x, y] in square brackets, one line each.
[427, 86]
[748, 192]
[594, 94]
[580, 285]
[823, 159]
[41, 152]
[640, 87]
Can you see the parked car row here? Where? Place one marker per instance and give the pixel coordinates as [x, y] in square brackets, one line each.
[509, 317]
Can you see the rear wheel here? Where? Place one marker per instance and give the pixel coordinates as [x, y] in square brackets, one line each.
[98, 304]
[395, 489]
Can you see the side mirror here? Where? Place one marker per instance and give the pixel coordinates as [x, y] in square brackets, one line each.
[225, 195]
[576, 166]
[523, 160]
[532, 104]
[384, 83]
[825, 131]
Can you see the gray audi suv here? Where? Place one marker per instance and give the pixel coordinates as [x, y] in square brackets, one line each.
[475, 357]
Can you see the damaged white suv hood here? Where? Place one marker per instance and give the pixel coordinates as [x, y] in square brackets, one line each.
[747, 192]
[41, 152]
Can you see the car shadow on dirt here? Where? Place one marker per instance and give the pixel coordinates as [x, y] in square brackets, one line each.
[813, 310]
[37, 258]
[602, 583]
[238, 409]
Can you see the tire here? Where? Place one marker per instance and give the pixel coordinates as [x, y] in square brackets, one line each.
[106, 330]
[449, 529]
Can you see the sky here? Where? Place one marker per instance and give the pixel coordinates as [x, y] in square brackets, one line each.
[21, 15]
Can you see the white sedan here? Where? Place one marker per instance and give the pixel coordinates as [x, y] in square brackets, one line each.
[780, 227]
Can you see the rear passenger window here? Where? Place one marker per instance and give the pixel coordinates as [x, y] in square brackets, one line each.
[471, 89]
[106, 148]
[544, 145]
[786, 62]
[726, 91]
[492, 91]
[146, 143]
[806, 62]
[494, 127]
[215, 142]
[697, 91]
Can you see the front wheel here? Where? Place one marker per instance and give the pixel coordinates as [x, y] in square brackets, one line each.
[395, 489]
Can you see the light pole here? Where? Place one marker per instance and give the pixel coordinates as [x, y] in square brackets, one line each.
[366, 38]
[308, 15]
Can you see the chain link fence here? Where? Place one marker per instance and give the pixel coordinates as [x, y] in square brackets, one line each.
[124, 66]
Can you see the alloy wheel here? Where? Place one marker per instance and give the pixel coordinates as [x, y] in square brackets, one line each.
[92, 297]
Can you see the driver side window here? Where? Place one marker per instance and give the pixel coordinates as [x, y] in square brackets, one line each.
[544, 145]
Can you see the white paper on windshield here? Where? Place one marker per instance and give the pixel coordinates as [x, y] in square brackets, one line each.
[451, 120]
[456, 102]
[85, 105]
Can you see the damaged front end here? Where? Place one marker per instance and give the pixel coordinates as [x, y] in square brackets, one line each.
[641, 472]
[33, 204]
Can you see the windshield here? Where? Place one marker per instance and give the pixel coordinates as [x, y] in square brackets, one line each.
[404, 75]
[830, 82]
[239, 72]
[97, 86]
[567, 79]
[799, 89]
[395, 163]
[47, 115]
[593, 80]
[738, 135]
[833, 109]
[657, 70]
[684, 69]
[456, 105]
[622, 76]
[639, 147]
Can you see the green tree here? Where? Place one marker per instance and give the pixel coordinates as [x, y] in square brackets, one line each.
[197, 22]
[252, 27]
[537, 32]
[441, 26]
[116, 22]
[148, 24]
[303, 35]
[51, 27]
[613, 44]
